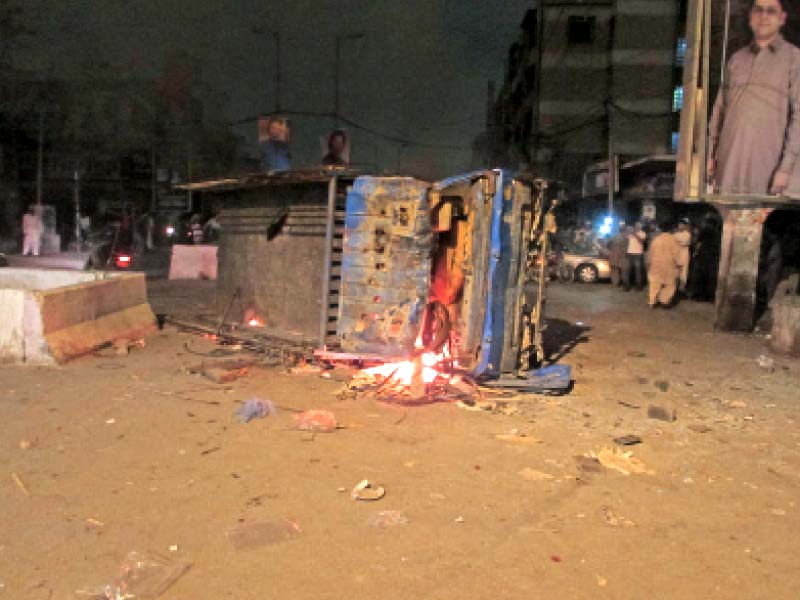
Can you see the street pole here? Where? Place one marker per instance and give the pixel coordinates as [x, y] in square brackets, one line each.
[40, 160]
[336, 101]
[277, 36]
[77, 199]
[336, 82]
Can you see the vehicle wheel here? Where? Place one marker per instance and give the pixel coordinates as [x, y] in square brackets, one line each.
[566, 274]
[587, 273]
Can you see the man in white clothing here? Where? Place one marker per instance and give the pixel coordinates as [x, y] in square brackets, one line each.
[634, 258]
[31, 231]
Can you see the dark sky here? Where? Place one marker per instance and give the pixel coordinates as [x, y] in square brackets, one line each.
[419, 72]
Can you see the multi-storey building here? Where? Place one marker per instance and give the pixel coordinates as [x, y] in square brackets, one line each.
[587, 79]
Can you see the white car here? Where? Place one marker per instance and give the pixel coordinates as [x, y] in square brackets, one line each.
[585, 268]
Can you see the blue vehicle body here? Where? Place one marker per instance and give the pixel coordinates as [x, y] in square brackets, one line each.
[462, 243]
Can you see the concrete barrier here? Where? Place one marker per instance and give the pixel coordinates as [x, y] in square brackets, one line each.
[54, 315]
[193, 262]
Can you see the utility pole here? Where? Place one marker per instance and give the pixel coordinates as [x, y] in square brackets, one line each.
[336, 101]
[40, 160]
[277, 37]
[76, 193]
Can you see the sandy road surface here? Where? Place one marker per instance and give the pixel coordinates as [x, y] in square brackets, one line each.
[120, 453]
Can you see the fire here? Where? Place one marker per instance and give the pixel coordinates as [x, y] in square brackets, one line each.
[425, 367]
[254, 322]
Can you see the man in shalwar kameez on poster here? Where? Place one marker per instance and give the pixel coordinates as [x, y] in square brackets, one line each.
[754, 133]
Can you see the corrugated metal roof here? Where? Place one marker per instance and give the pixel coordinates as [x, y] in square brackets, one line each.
[251, 180]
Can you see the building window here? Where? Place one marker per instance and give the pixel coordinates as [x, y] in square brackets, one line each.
[676, 138]
[677, 98]
[680, 52]
[580, 30]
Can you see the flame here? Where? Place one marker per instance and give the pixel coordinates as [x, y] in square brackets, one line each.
[255, 322]
[423, 366]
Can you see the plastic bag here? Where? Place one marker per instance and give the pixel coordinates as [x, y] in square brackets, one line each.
[255, 408]
[142, 577]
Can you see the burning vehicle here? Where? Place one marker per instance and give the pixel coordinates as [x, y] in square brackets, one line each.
[424, 282]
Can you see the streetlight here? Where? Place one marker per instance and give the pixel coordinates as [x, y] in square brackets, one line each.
[339, 38]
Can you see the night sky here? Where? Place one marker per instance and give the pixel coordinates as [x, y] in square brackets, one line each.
[419, 72]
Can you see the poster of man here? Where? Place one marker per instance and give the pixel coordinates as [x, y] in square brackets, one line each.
[754, 127]
[336, 149]
[274, 136]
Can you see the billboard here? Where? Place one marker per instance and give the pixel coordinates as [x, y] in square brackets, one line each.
[740, 121]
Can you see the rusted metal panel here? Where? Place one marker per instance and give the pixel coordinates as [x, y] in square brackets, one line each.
[386, 265]
[273, 251]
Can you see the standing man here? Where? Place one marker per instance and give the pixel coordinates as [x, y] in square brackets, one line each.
[634, 258]
[616, 255]
[31, 231]
[754, 133]
[663, 273]
[683, 237]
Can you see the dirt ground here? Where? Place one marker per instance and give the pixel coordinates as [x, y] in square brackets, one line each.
[110, 454]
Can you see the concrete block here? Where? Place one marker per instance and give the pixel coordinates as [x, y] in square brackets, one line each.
[193, 262]
[52, 316]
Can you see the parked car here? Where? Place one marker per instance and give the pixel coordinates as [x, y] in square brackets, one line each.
[585, 268]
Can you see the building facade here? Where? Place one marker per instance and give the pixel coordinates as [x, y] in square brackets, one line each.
[590, 78]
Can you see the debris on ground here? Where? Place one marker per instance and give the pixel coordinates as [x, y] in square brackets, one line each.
[321, 421]
[530, 474]
[387, 518]
[587, 467]
[122, 347]
[624, 462]
[364, 490]
[614, 520]
[306, 369]
[628, 404]
[662, 385]
[141, 576]
[662, 413]
[517, 437]
[766, 363]
[699, 427]
[20, 484]
[247, 536]
[224, 371]
[255, 408]
[477, 406]
[627, 440]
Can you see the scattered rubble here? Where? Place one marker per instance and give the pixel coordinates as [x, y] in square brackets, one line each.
[662, 413]
[624, 462]
[530, 474]
[248, 536]
[364, 490]
[318, 421]
[627, 440]
[141, 576]
[387, 518]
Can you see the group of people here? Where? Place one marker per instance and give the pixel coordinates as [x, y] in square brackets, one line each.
[665, 257]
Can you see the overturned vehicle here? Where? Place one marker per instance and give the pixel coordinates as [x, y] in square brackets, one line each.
[426, 278]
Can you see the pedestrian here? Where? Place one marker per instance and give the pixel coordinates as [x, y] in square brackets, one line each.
[212, 229]
[683, 237]
[754, 133]
[196, 229]
[32, 231]
[617, 246]
[705, 262]
[634, 258]
[663, 274]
